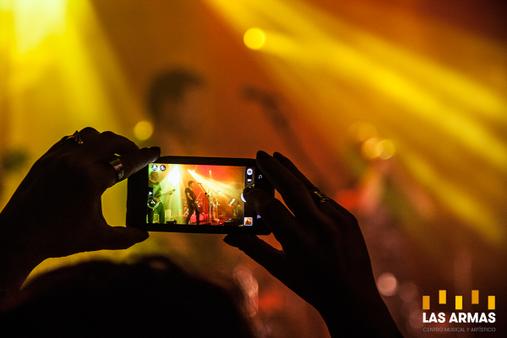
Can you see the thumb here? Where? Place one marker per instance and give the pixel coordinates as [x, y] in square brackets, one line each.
[115, 238]
[270, 258]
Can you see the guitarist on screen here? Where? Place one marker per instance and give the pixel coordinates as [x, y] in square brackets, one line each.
[191, 203]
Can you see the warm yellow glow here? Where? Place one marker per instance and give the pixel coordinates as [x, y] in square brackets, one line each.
[55, 79]
[374, 148]
[172, 190]
[370, 149]
[366, 63]
[143, 130]
[436, 108]
[35, 21]
[254, 38]
[363, 131]
[174, 175]
[221, 188]
[465, 207]
[387, 149]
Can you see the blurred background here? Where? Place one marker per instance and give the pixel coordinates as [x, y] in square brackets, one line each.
[395, 108]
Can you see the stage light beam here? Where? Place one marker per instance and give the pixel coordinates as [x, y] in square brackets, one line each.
[436, 98]
[35, 20]
[220, 187]
[304, 43]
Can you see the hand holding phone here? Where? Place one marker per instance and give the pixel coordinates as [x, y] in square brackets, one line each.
[196, 194]
[57, 209]
[324, 258]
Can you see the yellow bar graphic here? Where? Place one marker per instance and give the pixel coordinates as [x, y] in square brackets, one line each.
[491, 302]
[426, 302]
[459, 303]
[442, 297]
[475, 296]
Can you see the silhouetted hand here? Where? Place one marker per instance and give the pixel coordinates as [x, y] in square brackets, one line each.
[324, 257]
[57, 209]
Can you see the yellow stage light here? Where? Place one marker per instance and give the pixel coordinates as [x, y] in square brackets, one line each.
[432, 106]
[434, 95]
[468, 208]
[254, 38]
[143, 130]
[174, 175]
[362, 131]
[35, 20]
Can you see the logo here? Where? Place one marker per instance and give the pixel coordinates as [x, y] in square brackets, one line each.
[460, 313]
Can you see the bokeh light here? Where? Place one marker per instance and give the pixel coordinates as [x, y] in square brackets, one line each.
[143, 130]
[254, 38]
[387, 284]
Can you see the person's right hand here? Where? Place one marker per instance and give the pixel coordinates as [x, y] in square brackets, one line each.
[57, 209]
[324, 257]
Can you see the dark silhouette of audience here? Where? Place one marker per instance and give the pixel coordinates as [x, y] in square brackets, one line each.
[150, 298]
[56, 211]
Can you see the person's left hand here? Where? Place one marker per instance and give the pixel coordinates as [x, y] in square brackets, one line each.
[57, 209]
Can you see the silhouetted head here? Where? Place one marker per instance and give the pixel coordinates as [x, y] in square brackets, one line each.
[179, 109]
[151, 298]
[190, 184]
[170, 85]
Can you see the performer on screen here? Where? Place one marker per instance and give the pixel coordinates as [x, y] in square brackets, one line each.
[156, 212]
[191, 203]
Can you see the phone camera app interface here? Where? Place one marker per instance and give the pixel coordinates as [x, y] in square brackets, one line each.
[198, 194]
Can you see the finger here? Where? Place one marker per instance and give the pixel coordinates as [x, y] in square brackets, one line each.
[294, 170]
[270, 258]
[58, 144]
[130, 163]
[117, 238]
[277, 217]
[89, 133]
[330, 206]
[106, 144]
[139, 159]
[334, 209]
[293, 191]
[68, 142]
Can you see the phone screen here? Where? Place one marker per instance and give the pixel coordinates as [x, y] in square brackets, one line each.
[201, 196]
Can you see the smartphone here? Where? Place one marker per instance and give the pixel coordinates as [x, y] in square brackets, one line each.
[196, 194]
